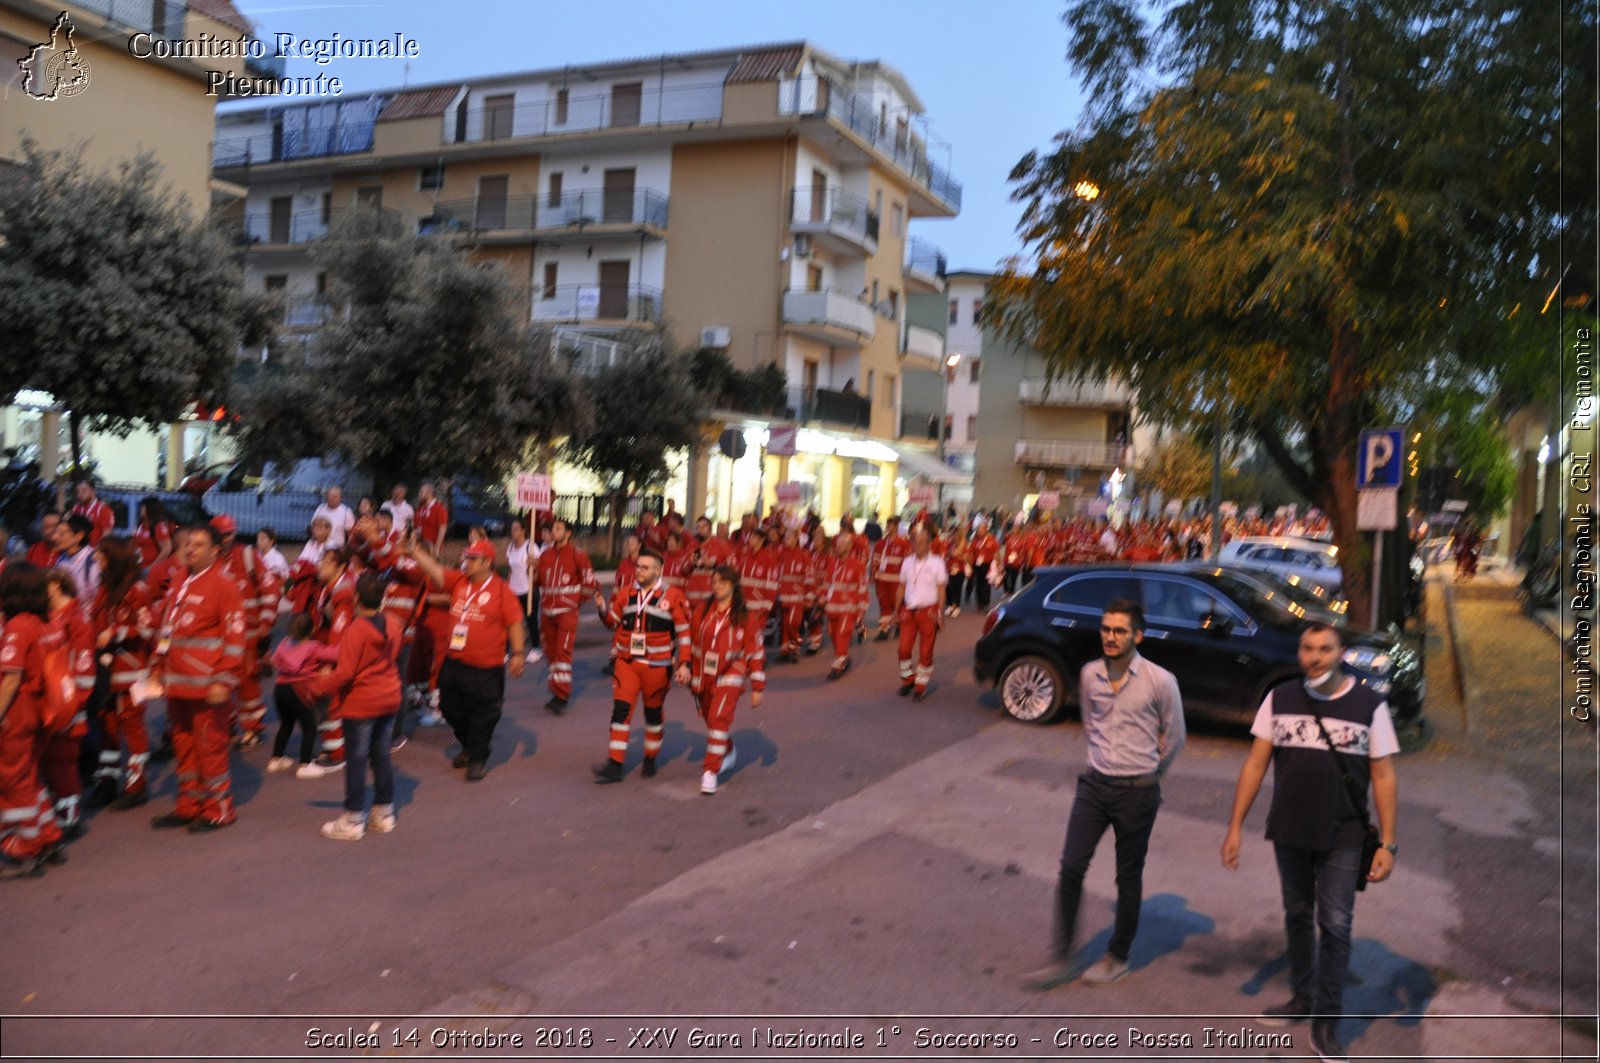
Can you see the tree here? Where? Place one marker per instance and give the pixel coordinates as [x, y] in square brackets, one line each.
[646, 404]
[1310, 212]
[423, 367]
[1178, 467]
[117, 303]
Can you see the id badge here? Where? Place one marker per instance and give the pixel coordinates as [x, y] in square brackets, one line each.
[636, 645]
[164, 644]
[711, 662]
[458, 638]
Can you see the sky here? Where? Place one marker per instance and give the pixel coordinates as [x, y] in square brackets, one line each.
[992, 74]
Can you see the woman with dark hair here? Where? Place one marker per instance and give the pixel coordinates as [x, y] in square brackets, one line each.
[76, 553]
[28, 831]
[726, 651]
[331, 615]
[69, 628]
[124, 621]
[153, 535]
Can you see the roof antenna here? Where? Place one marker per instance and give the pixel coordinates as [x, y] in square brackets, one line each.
[406, 77]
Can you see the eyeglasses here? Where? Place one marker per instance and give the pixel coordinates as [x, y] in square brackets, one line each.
[1117, 631]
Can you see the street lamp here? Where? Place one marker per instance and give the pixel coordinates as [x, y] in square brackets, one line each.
[1086, 190]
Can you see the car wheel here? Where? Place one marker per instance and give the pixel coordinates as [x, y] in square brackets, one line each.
[1031, 690]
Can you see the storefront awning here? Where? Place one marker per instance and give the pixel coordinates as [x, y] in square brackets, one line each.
[916, 465]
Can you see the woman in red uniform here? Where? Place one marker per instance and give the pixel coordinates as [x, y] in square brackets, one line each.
[725, 653]
[28, 831]
[124, 626]
[69, 627]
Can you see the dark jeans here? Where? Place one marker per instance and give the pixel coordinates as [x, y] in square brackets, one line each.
[1009, 583]
[470, 699]
[1131, 813]
[979, 584]
[293, 710]
[1319, 893]
[953, 592]
[530, 618]
[367, 741]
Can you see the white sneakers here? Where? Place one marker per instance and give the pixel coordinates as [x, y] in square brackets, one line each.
[317, 769]
[382, 819]
[535, 656]
[708, 782]
[350, 827]
[731, 759]
[277, 764]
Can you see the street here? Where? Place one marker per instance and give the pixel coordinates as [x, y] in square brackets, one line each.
[869, 857]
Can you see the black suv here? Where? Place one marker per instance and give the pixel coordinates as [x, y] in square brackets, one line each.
[1229, 635]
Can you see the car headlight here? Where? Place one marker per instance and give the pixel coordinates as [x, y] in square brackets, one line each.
[1369, 660]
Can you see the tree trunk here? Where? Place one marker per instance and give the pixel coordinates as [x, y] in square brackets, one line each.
[1334, 450]
[618, 500]
[75, 432]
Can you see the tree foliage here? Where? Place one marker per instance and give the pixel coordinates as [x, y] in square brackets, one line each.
[117, 302]
[422, 369]
[1178, 466]
[758, 390]
[1306, 212]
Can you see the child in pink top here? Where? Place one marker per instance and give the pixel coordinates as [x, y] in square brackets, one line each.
[296, 660]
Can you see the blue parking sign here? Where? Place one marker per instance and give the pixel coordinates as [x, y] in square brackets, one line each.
[1378, 461]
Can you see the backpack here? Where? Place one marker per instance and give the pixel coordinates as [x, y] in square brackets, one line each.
[60, 701]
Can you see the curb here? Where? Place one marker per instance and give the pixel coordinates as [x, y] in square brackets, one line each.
[1464, 680]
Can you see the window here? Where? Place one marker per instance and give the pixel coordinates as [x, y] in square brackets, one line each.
[972, 427]
[897, 219]
[977, 311]
[874, 299]
[550, 280]
[327, 208]
[277, 282]
[280, 209]
[894, 304]
[888, 391]
[976, 364]
[1182, 603]
[1089, 593]
[955, 311]
[563, 101]
[491, 212]
[872, 376]
[370, 196]
[949, 373]
[626, 103]
[556, 180]
[430, 178]
[949, 426]
[322, 283]
[813, 278]
[498, 112]
[461, 120]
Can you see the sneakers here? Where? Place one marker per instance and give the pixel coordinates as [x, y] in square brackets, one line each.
[921, 695]
[349, 827]
[171, 821]
[248, 740]
[398, 743]
[556, 705]
[1106, 969]
[1325, 1041]
[28, 867]
[101, 794]
[476, 770]
[883, 635]
[608, 772]
[277, 764]
[1289, 1013]
[461, 760]
[647, 767]
[129, 799]
[1049, 977]
[906, 688]
[382, 820]
[535, 655]
[431, 718]
[316, 769]
[708, 782]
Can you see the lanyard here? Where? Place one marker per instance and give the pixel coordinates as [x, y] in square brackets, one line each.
[645, 602]
[722, 622]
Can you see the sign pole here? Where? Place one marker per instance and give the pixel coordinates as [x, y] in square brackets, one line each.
[1377, 573]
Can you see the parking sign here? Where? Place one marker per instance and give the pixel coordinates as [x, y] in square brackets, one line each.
[1378, 459]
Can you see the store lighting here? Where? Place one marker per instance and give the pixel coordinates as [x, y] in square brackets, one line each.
[812, 442]
[756, 437]
[869, 449]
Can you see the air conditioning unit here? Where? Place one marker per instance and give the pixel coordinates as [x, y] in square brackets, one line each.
[716, 336]
[802, 246]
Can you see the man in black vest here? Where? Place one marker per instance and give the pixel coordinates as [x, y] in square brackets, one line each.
[1316, 824]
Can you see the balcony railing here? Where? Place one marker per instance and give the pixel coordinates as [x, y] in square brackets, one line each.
[814, 95]
[1038, 392]
[589, 353]
[920, 424]
[847, 409]
[921, 342]
[288, 144]
[289, 227]
[305, 311]
[1064, 453]
[923, 257]
[569, 210]
[160, 19]
[829, 308]
[679, 105]
[835, 212]
[593, 302]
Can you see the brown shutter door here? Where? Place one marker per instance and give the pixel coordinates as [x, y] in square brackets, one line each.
[492, 201]
[625, 103]
[614, 290]
[618, 205]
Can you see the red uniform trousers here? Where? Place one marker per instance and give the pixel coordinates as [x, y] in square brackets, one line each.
[886, 589]
[633, 680]
[842, 628]
[715, 705]
[122, 730]
[792, 613]
[252, 710]
[200, 740]
[559, 633]
[27, 816]
[918, 624]
[59, 765]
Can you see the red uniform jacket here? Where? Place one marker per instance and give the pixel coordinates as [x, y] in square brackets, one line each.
[891, 553]
[132, 624]
[759, 577]
[335, 608]
[69, 626]
[365, 684]
[842, 586]
[796, 576]
[660, 614]
[202, 635]
[564, 576]
[725, 655]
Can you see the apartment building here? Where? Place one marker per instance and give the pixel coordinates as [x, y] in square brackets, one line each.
[83, 87]
[754, 200]
[1036, 436]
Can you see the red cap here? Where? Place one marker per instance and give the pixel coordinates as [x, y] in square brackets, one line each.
[224, 524]
[481, 548]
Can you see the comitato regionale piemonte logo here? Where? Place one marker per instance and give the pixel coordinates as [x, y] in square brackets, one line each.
[55, 69]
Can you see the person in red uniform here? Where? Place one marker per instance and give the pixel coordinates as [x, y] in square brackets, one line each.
[958, 559]
[651, 622]
[404, 589]
[43, 554]
[432, 518]
[842, 587]
[28, 831]
[69, 628]
[758, 572]
[891, 552]
[99, 515]
[725, 653]
[486, 620]
[821, 554]
[199, 653]
[153, 534]
[796, 592]
[920, 601]
[246, 570]
[332, 611]
[711, 553]
[564, 577]
[124, 628]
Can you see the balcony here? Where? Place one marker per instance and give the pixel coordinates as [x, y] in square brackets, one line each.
[837, 220]
[920, 425]
[1108, 394]
[289, 144]
[265, 228]
[630, 304]
[925, 267]
[590, 215]
[830, 316]
[305, 311]
[1069, 453]
[843, 409]
[922, 348]
[818, 97]
[605, 111]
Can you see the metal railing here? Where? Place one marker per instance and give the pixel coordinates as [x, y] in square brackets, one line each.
[590, 515]
[827, 306]
[679, 105]
[833, 210]
[312, 142]
[592, 302]
[305, 311]
[920, 424]
[815, 95]
[290, 227]
[1037, 392]
[844, 408]
[161, 19]
[570, 209]
[923, 257]
[922, 342]
[1060, 453]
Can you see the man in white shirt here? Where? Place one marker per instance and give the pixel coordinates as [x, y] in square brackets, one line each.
[337, 514]
[404, 515]
[919, 603]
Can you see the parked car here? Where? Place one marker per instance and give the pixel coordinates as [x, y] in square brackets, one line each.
[1228, 634]
[1310, 559]
[478, 502]
[281, 497]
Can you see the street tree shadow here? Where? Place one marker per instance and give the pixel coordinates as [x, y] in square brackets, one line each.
[1165, 922]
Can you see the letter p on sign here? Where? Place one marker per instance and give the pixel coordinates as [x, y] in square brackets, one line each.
[1378, 459]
